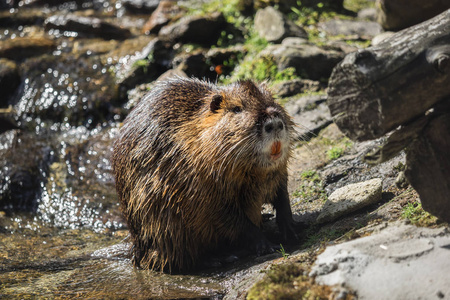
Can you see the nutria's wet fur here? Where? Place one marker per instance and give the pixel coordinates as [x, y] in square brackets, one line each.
[194, 162]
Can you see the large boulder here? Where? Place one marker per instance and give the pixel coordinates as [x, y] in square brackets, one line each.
[272, 25]
[309, 61]
[399, 14]
[194, 29]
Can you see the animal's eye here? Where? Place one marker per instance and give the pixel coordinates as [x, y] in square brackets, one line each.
[236, 109]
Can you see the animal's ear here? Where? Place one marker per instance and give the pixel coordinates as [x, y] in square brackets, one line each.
[215, 102]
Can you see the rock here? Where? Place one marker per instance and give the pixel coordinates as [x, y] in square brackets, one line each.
[86, 26]
[274, 26]
[398, 14]
[310, 113]
[194, 29]
[24, 47]
[368, 14]
[295, 86]
[166, 11]
[140, 6]
[145, 66]
[24, 163]
[365, 29]
[7, 121]
[309, 61]
[195, 65]
[406, 261]
[381, 37]
[350, 198]
[22, 17]
[9, 80]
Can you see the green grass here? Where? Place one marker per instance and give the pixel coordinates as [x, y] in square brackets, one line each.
[416, 215]
[335, 153]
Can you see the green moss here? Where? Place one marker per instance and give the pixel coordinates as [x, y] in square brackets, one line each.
[311, 187]
[415, 213]
[356, 5]
[262, 68]
[288, 281]
[335, 153]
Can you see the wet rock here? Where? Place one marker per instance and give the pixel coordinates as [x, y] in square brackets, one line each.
[23, 47]
[140, 6]
[145, 66]
[406, 261]
[9, 80]
[398, 14]
[309, 61]
[365, 29]
[194, 29]
[166, 11]
[49, 94]
[310, 113]
[24, 164]
[22, 17]
[274, 26]
[334, 173]
[350, 198]
[7, 121]
[295, 86]
[86, 26]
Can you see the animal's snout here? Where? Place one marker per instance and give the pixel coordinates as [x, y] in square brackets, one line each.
[274, 125]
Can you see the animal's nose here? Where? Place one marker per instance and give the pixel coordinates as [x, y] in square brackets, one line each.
[273, 125]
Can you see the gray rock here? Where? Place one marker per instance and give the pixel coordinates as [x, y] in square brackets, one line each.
[400, 262]
[310, 113]
[86, 26]
[295, 86]
[347, 27]
[274, 26]
[350, 198]
[368, 14]
[309, 61]
[194, 29]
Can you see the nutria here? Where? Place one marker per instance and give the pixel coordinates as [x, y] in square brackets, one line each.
[194, 162]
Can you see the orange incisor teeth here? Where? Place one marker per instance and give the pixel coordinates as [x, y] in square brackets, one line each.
[276, 148]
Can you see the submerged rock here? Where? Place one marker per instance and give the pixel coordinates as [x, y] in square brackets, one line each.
[23, 47]
[9, 80]
[24, 165]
